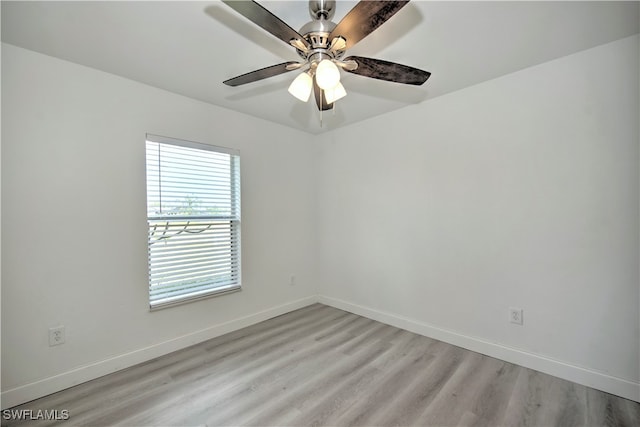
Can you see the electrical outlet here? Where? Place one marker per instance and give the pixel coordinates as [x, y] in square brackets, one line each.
[515, 315]
[56, 336]
[292, 280]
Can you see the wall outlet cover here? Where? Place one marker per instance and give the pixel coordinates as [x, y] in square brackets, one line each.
[515, 315]
[56, 336]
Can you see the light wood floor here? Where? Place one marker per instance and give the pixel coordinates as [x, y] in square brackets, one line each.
[322, 366]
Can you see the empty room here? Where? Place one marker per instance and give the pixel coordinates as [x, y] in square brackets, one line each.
[320, 213]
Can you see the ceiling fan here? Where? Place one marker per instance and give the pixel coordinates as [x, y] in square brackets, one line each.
[322, 44]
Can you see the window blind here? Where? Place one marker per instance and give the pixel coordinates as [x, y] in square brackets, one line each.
[193, 215]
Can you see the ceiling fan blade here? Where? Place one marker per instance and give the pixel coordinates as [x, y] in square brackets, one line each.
[364, 18]
[389, 71]
[267, 20]
[260, 74]
[321, 101]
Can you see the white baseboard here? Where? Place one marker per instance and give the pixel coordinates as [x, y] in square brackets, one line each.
[590, 378]
[46, 386]
[587, 377]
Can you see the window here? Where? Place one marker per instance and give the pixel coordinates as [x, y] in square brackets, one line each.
[193, 213]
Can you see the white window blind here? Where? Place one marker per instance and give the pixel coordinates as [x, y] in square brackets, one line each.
[193, 213]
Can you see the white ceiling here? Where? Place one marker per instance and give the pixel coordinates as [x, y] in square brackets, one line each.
[190, 47]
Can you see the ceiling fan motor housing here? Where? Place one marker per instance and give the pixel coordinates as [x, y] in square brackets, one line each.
[317, 31]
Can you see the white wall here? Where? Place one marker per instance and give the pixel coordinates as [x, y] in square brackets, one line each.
[522, 191]
[0, 220]
[74, 222]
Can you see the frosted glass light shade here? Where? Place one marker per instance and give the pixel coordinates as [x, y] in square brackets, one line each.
[301, 87]
[335, 93]
[327, 74]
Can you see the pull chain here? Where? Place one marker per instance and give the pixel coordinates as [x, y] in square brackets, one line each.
[322, 99]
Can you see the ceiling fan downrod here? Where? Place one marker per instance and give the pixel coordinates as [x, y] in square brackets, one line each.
[322, 9]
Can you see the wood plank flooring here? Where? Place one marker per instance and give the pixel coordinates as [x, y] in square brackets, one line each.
[320, 366]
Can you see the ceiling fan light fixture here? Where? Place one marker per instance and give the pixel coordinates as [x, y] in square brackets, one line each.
[327, 74]
[301, 87]
[335, 93]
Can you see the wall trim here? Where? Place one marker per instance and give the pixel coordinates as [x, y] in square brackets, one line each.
[557, 368]
[46, 386]
[590, 378]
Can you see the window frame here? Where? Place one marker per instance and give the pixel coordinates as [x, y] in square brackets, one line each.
[234, 223]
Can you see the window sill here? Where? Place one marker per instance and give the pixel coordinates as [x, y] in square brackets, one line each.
[186, 299]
